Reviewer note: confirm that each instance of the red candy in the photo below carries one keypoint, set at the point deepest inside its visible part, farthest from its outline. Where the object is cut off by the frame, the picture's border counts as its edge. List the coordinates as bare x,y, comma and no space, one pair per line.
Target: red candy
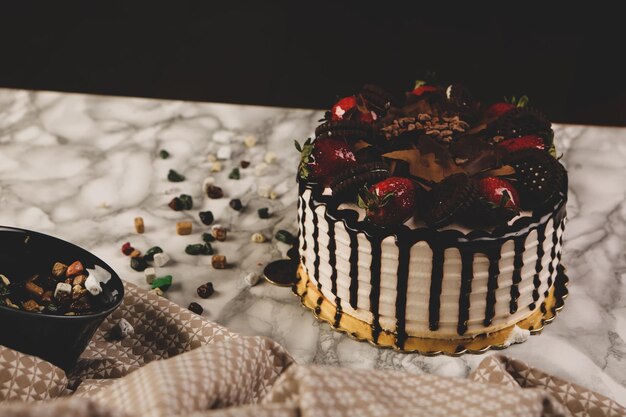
347,104
127,249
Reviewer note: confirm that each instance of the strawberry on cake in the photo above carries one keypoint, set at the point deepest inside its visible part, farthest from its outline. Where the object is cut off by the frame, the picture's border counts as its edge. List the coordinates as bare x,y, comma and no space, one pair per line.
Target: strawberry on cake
431,223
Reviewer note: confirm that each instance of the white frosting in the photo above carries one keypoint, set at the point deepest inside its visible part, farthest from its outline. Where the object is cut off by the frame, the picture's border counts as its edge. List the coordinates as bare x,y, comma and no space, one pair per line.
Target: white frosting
418,288
517,335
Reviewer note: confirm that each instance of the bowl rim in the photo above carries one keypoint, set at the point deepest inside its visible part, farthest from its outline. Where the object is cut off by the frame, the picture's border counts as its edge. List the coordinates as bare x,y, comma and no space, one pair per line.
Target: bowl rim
114,275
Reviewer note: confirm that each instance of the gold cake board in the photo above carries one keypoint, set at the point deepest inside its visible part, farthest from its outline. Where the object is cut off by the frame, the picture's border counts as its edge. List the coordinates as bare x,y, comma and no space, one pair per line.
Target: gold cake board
324,310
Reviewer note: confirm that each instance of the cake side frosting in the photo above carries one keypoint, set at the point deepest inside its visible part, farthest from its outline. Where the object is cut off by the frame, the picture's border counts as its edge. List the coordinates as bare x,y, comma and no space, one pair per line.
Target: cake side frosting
365,279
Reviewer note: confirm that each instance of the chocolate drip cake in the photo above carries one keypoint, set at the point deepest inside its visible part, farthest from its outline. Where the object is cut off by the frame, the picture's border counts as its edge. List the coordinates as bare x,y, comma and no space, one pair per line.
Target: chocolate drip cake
431,223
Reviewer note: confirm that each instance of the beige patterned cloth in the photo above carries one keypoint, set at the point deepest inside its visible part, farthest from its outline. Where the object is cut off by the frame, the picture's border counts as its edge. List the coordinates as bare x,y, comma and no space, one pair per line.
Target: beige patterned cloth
179,364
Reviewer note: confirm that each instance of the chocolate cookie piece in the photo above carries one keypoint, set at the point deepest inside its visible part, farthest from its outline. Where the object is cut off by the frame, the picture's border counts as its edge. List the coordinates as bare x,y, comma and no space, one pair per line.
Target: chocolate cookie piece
347,184
522,121
379,99
448,200
538,178
350,130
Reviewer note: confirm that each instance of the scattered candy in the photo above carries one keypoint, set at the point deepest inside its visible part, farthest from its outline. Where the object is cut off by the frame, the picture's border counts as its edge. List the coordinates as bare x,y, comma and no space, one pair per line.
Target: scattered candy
273,195
199,249
139,226
244,164
264,213
34,289
150,274
79,279
183,228
62,291
264,191
234,174
258,238
214,192
208,237
270,158
92,285
224,152
164,154
162,282
78,291
208,181
135,253
161,259
187,201
75,269
157,291
206,217
151,252
218,261
176,204
251,279
59,269
219,232
235,204
121,330
216,166
285,237
174,176
139,264
211,157
250,141
260,169
195,308
205,290
31,305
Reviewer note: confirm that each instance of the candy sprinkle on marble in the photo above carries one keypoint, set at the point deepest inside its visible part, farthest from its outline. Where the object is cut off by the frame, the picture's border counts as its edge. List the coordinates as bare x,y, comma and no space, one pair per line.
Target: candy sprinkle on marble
174,176
164,154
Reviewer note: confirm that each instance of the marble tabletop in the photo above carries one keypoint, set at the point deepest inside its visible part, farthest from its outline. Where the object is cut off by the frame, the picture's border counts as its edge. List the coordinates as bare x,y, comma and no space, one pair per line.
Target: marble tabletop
82,167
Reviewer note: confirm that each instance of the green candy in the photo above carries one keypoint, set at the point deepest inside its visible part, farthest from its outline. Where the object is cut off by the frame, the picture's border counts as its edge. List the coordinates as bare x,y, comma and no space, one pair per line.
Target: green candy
149,256
234,174
285,237
264,213
187,201
162,282
174,176
199,249
164,154
208,237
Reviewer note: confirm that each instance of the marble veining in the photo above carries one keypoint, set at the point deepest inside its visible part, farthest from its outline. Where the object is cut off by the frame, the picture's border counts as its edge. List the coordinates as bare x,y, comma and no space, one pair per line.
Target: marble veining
82,167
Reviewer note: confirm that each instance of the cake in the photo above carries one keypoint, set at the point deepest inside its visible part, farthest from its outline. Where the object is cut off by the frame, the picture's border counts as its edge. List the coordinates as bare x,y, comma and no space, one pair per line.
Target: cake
430,222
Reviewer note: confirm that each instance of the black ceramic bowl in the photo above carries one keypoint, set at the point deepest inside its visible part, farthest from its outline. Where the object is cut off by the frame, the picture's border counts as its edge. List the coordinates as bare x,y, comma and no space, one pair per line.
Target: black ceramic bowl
57,339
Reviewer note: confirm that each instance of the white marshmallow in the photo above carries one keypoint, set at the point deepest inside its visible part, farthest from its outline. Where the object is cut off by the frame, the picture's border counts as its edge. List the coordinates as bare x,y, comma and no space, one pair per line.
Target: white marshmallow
251,279
62,289
122,329
150,274
93,285
161,259
224,152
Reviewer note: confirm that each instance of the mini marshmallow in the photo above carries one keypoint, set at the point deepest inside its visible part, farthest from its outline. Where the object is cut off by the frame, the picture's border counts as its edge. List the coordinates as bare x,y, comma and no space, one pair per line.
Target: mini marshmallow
250,141
122,330
273,195
216,166
224,152
264,191
270,157
161,259
150,274
251,279
93,285
260,169
100,274
62,290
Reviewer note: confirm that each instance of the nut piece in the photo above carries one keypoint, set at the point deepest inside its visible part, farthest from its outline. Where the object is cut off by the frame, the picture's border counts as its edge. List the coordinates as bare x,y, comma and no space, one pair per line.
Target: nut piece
34,289
31,305
79,279
139,226
258,238
161,259
76,268
218,261
59,270
183,228
219,232
78,291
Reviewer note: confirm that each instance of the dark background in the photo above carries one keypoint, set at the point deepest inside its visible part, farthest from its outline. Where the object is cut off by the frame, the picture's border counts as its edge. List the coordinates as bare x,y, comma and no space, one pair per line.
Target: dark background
569,61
